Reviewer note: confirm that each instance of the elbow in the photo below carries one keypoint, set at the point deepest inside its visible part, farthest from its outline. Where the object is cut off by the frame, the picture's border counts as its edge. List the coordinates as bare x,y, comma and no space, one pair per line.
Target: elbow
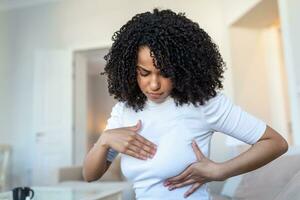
85,177
88,178
280,144
284,146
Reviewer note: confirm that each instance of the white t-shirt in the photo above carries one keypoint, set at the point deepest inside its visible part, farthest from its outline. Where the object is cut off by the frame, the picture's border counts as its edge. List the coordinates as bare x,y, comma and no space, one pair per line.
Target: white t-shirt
172,128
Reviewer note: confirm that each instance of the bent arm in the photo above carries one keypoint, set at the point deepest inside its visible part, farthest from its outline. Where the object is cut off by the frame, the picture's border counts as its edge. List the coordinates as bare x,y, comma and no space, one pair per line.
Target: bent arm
95,163
270,146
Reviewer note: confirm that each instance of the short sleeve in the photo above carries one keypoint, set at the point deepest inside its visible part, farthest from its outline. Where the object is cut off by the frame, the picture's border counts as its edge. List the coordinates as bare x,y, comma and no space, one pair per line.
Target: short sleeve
225,117
115,121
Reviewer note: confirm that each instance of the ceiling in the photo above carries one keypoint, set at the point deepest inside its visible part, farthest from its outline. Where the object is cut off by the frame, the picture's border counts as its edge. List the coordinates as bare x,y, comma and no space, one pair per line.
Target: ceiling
262,15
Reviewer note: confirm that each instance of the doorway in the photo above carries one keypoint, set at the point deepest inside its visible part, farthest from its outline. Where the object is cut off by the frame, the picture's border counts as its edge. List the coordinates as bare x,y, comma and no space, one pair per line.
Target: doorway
92,102
259,74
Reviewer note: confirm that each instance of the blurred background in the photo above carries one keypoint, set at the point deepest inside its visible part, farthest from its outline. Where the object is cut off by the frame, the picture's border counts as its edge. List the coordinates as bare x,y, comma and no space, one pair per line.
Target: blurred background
54,104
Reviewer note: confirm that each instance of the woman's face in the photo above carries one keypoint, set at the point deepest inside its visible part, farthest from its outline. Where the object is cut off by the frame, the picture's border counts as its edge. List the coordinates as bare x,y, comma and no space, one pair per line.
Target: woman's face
156,87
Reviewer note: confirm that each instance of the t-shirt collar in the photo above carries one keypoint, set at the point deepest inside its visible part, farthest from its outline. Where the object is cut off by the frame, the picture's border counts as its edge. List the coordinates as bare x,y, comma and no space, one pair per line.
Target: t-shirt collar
167,101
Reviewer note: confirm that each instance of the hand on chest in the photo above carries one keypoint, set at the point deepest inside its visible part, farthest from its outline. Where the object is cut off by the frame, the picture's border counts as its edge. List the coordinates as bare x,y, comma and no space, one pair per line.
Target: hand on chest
173,136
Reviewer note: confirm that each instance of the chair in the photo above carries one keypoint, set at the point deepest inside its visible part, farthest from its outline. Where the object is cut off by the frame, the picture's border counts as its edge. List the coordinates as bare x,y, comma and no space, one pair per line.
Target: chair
5,151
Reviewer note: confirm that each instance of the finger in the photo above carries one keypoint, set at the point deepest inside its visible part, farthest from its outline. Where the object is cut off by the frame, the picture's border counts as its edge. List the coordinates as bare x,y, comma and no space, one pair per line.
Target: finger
182,175
192,189
169,183
134,154
197,151
136,127
178,181
145,141
147,149
139,150
182,184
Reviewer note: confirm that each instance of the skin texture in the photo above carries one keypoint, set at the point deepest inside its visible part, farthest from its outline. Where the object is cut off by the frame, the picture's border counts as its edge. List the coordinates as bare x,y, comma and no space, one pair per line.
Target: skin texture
149,78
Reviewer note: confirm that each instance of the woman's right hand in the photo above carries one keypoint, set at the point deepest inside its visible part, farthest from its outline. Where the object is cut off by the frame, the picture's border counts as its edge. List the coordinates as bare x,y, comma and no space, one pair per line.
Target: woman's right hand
126,140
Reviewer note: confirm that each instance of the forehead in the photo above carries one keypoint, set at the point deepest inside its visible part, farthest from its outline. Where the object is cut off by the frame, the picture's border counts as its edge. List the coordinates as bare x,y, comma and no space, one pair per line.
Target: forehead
144,59
144,54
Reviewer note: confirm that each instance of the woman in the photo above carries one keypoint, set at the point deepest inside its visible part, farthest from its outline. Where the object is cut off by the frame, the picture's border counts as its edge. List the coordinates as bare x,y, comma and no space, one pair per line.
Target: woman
166,73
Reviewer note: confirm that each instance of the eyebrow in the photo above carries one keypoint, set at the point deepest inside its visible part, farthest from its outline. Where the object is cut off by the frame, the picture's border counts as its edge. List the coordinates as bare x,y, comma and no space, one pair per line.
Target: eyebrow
143,68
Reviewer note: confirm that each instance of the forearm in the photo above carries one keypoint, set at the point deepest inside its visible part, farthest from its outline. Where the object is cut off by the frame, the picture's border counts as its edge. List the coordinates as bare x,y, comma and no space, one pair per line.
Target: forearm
261,153
95,163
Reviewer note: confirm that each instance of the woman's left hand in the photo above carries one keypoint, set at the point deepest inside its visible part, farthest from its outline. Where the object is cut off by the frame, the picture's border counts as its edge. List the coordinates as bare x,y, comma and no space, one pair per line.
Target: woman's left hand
198,173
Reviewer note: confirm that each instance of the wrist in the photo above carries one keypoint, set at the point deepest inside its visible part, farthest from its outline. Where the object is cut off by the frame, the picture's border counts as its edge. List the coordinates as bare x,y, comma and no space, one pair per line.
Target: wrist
222,172
102,142
227,170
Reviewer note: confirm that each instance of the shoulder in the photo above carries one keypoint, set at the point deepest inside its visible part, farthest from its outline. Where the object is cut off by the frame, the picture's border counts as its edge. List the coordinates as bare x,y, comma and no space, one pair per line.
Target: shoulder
118,108
217,107
219,99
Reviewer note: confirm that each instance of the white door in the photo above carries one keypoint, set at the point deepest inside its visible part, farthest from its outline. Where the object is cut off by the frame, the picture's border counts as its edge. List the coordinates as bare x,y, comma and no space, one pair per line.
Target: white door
52,114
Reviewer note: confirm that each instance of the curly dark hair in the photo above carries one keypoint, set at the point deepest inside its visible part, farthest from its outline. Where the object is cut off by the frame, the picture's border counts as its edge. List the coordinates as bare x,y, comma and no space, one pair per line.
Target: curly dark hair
181,50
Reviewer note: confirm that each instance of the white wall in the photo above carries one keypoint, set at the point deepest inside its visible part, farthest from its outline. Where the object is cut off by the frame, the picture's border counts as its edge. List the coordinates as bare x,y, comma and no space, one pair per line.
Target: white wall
5,93
4,81
277,81
249,72
263,91
233,9
290,18
80,110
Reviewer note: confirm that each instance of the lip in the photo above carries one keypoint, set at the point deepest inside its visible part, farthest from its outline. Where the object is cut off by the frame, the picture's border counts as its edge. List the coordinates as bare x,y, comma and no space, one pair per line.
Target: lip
155,95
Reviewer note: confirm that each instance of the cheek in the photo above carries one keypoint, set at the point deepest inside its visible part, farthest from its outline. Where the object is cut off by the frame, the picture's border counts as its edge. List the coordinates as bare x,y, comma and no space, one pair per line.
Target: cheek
142,83
168,86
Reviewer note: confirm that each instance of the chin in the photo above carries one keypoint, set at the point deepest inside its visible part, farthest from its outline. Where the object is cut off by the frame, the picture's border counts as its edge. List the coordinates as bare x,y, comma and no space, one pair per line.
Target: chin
160,100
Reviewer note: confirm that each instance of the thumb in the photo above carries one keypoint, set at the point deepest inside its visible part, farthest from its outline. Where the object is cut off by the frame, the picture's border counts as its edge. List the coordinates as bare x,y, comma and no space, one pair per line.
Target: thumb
197,151
136,127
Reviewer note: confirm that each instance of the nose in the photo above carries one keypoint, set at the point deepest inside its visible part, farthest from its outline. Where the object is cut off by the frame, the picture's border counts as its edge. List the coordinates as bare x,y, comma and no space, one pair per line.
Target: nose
155,83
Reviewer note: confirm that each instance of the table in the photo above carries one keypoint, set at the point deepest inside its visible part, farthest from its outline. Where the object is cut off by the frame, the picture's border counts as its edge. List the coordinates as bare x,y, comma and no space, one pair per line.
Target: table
71,193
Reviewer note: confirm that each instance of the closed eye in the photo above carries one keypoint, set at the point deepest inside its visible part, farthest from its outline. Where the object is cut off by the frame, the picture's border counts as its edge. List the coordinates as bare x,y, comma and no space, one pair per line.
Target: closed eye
143,72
